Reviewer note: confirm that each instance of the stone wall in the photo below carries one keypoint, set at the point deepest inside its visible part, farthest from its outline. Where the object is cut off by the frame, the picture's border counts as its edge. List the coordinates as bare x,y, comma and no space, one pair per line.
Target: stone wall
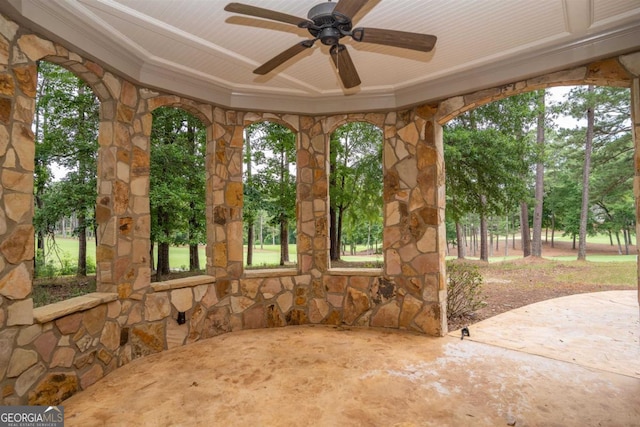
51,352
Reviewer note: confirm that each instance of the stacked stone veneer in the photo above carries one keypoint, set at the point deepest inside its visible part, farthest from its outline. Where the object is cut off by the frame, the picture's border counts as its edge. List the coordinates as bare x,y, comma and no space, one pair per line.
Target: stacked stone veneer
49,353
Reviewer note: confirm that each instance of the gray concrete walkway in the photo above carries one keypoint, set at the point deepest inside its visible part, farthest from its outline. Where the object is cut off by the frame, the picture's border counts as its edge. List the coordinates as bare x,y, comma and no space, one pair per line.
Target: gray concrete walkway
572,361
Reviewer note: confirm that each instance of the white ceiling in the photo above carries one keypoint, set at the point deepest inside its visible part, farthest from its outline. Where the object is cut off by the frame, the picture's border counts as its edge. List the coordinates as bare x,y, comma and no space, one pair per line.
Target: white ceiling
195,48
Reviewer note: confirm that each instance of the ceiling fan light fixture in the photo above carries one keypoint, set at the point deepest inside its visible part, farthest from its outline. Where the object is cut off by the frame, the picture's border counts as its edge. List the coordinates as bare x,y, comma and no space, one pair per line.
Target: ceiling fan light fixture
329,36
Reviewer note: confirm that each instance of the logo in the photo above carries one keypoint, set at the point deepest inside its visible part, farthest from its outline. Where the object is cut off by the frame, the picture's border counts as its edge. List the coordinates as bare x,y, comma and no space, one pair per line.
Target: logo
31,416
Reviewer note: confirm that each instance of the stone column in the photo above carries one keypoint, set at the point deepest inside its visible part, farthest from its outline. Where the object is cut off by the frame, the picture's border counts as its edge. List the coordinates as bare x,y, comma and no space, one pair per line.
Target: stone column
313,197
635,119
122,210
17,152
224,197
631,64
414,232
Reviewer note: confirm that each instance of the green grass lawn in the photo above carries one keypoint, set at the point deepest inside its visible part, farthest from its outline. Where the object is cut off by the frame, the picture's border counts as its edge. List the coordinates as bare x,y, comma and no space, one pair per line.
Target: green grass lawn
269,255
622,273
598,238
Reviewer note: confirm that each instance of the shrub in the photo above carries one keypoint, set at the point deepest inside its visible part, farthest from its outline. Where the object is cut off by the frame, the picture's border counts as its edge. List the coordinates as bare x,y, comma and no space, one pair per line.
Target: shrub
91,265
45,269
464,289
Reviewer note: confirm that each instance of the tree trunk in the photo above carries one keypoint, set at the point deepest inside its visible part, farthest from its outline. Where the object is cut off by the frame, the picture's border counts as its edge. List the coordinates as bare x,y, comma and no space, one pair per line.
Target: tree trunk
490,244
484,247
250,239
159,262
536,244
163,260
484,232
334,247
525,235
627,240
261,231
162,266
151,257
461,241
194,257
284,240
339,229
619,244
553,229
506,237
39,255
584,211
82,245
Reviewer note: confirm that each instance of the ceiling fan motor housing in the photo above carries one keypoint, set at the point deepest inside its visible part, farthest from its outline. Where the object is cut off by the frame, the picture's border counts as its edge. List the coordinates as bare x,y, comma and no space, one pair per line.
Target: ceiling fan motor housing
329,28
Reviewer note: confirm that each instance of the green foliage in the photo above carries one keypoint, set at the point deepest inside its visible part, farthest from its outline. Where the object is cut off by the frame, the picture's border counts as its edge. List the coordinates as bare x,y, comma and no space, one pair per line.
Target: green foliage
177,190
355,186
273,184
464,289
66,134
489,152
611,201
270,181
62,264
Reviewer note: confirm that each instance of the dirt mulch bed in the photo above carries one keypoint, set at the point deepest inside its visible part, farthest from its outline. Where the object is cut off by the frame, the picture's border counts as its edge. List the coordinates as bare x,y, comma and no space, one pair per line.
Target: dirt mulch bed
510,288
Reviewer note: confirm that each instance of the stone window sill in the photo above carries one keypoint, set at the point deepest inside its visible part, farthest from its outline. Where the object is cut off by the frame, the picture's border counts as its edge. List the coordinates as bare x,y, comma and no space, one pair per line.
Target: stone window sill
185,282
369,272
270,272
60,309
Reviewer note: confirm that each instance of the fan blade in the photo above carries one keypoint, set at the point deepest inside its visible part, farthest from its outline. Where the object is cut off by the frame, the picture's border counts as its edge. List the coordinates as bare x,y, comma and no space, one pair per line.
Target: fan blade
403,39
344,64
282,57
245,9
349,7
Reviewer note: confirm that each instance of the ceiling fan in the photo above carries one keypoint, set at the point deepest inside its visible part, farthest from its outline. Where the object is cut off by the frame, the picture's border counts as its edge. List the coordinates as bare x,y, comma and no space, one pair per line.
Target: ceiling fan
329,22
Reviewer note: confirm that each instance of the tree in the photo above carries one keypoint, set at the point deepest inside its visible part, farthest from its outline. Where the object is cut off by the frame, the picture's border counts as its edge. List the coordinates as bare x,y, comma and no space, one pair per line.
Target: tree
355,181
584,211
480,174
600,150
66,135
273,159
253,205
488,152
536,243
177,185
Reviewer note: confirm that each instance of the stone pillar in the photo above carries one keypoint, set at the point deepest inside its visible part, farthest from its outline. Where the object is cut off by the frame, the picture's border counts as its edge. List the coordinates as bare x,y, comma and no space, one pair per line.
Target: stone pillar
224,196
414,229
18,75
313,197
631,64
635,129
122,210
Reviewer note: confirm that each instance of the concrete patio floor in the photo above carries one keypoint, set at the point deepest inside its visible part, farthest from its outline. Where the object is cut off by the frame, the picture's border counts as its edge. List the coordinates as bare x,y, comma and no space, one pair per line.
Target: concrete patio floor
571,361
